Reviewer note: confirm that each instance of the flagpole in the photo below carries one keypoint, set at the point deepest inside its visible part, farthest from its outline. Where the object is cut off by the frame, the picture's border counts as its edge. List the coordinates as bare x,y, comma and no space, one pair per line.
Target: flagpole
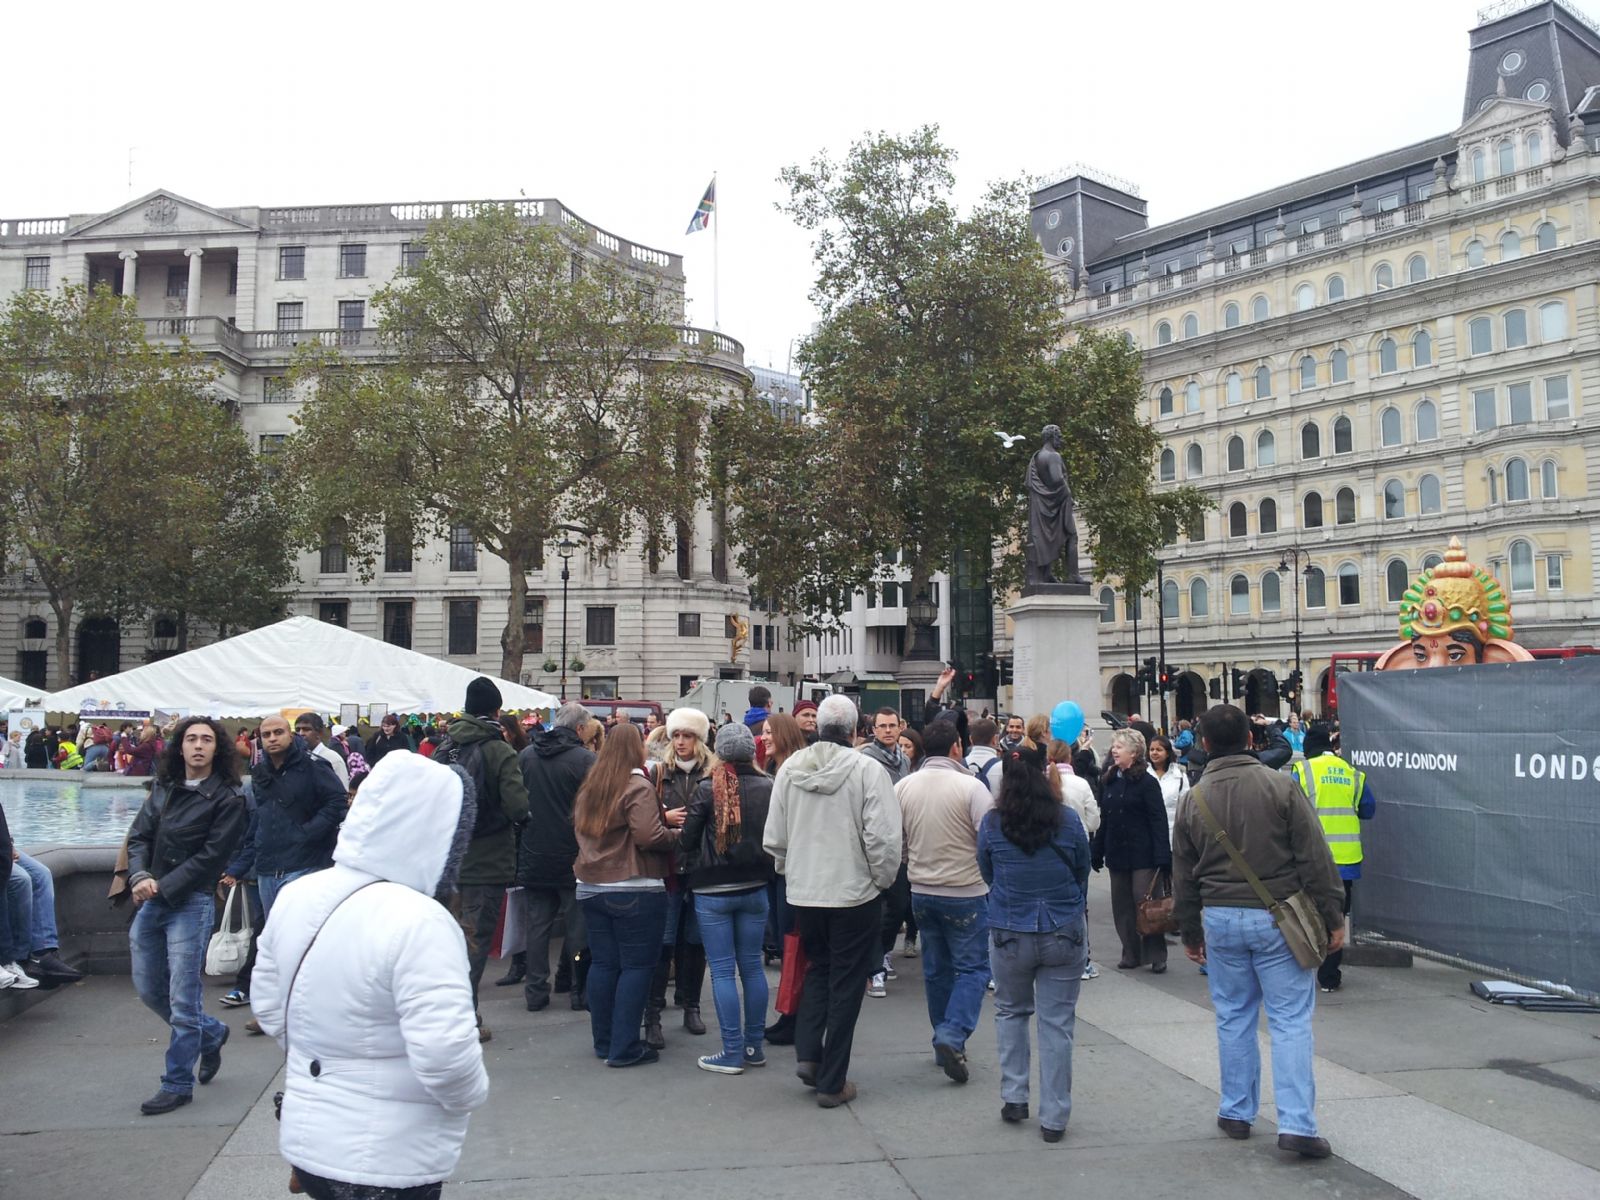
716,263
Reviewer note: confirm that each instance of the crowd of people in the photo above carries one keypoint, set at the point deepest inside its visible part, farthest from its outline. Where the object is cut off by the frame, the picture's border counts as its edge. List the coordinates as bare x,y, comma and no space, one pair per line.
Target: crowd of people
671,850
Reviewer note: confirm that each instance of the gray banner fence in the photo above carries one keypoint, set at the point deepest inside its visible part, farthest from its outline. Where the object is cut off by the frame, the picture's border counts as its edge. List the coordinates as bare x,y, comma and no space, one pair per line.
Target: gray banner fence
1486,842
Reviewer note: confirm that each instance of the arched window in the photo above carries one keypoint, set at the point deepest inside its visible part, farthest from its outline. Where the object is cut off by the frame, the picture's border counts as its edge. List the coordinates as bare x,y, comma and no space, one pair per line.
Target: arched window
1335,289
1388,357
1394,501
1311,516
1230,315
1344,507
1266,449
1516,479
1236,453
1239,596
1552,321
1233,386
1191,326
1427,421
1305,297
1165,402
1475,253
1310,440
1428,497
1237,520
1108,606
1416,268
1342,443
1480,165
35,629
1510,245
1545,236
1547,480
1194,461
1535,150
1169,465
1521,555
1389,427
1480,335
1431,561
1514,324
1339,366
1382,277
1271,593
1260,310
1316,588
1263,382
1163,333
1191,397
1169,600
1396,579
1349,585
1199,599
1508,157
1422,349
1267,515
1308,372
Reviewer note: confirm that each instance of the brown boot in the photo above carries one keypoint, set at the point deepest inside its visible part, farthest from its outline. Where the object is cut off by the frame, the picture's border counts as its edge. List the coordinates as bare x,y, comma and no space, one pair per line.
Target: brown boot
692,1021
653,1037
843,1096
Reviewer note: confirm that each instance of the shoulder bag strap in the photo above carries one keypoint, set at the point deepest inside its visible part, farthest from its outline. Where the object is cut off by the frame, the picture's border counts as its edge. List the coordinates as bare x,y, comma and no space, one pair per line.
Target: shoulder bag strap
288,994
1220,836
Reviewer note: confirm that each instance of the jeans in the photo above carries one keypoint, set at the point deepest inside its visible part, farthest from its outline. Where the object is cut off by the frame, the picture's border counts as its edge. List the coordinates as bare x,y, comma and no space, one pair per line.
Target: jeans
476,908
268,887
169,949
16,904
954,932
540,907
842,947
42,926
95,754
624,947
732,926
1328,974
1038,972
1249,964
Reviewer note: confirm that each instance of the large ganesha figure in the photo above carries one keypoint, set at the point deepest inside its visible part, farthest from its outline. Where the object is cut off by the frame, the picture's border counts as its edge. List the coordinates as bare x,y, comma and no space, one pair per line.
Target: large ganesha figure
1454,614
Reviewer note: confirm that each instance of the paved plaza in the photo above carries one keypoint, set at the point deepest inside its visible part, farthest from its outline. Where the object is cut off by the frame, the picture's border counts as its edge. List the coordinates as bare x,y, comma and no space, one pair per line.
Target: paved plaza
1423,1090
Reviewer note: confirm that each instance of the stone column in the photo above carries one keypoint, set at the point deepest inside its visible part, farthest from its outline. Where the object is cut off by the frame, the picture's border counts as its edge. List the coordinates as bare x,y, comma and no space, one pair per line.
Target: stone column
130,274
195,257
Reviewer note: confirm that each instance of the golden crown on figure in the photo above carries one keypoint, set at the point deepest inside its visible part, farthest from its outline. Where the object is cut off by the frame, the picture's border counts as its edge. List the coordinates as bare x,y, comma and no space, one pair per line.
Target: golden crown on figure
1454,614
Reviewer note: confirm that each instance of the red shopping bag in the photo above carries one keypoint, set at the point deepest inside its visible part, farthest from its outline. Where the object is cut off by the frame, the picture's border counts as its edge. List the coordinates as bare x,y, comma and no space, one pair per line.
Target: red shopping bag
791,982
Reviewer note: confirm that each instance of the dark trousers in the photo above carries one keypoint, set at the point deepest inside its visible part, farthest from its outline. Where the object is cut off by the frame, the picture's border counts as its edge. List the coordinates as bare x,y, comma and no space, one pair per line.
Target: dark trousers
1328,974
252,896
476,908
1127,889
540,908
319,1188
843,946
896,910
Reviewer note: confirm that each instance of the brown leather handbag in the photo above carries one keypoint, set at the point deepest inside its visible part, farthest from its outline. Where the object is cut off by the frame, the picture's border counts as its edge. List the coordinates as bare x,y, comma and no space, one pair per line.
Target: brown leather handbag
1156,916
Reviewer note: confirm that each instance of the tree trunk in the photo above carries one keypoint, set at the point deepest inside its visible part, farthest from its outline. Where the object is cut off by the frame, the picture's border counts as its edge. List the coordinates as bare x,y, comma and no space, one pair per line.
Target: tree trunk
61,672
511,639
183,630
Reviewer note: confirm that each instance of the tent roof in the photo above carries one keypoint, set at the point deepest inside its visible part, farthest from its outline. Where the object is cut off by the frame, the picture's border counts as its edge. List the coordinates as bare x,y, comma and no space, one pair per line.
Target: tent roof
298,663
14,694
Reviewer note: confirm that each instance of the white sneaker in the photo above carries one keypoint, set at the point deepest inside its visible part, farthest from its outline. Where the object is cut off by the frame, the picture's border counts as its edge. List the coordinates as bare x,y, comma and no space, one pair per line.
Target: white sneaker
20,978
875,986
1091,972
6,977
888,968
989,986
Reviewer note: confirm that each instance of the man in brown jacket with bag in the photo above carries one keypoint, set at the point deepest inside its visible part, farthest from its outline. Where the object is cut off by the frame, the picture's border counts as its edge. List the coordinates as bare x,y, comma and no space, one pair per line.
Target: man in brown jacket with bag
1234,896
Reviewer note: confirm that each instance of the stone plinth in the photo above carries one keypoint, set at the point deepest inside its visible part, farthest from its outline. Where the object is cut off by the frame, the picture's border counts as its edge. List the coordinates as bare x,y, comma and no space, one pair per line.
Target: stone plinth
1055,653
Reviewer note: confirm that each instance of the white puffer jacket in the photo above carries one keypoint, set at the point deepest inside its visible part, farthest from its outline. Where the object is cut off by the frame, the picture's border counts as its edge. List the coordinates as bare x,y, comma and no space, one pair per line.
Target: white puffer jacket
383,1057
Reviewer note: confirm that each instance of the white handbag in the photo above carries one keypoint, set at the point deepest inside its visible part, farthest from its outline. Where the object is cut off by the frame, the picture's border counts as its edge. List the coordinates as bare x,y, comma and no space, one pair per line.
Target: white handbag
229,947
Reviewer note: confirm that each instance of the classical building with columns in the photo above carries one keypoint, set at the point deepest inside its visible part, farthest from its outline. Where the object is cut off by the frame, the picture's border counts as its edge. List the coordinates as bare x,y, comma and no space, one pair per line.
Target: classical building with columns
1358,365
248,287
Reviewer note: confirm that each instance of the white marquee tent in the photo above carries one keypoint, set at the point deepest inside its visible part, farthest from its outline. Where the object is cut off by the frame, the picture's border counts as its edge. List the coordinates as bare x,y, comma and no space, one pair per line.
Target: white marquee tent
297,663
14,694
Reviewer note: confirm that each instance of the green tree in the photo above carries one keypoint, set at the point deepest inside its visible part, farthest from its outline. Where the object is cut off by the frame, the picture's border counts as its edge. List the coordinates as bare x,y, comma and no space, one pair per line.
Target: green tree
523,385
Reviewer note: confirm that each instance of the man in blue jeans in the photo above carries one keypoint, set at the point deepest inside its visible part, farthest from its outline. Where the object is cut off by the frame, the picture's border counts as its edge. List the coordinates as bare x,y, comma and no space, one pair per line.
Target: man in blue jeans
942,804
1227,928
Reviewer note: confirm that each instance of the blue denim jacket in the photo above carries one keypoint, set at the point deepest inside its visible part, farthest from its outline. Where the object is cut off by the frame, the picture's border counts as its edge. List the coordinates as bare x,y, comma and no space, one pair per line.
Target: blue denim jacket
1034,893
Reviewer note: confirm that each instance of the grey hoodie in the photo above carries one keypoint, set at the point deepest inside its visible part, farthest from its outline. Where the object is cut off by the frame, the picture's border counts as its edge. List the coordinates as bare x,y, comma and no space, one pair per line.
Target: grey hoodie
833,827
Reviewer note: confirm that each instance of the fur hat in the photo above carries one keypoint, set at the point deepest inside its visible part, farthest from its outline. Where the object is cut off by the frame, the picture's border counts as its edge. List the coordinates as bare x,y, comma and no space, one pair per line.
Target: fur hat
691,719
735,743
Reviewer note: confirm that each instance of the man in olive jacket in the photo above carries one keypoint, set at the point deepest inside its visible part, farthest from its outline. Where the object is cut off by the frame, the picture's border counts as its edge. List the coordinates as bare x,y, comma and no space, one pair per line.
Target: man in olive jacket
1227,928
477,744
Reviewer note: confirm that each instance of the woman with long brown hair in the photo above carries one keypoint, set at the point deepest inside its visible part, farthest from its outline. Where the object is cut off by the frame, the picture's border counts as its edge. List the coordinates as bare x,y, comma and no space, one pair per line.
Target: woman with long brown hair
624,854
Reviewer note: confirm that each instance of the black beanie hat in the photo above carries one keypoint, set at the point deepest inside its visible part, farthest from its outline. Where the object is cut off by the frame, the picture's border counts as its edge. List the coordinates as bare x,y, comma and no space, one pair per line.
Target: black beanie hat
483,698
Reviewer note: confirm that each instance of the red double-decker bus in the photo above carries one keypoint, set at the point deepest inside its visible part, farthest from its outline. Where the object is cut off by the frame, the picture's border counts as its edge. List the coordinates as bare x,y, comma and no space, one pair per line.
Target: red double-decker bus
1364,660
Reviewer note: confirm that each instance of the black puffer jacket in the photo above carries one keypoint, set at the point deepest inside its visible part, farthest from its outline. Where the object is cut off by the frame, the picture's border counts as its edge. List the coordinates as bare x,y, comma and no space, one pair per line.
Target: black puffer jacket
299,808
744,861
1133,824
553,768
183,836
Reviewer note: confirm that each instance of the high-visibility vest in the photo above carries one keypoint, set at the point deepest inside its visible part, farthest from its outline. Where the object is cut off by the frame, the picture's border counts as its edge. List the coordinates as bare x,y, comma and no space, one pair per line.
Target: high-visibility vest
1334,788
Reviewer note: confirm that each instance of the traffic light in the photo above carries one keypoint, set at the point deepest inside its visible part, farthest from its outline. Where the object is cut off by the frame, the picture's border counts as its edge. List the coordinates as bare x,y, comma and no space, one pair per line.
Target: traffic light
1238,683
1169,678
1292,689
1216,689
1147,676
1286,690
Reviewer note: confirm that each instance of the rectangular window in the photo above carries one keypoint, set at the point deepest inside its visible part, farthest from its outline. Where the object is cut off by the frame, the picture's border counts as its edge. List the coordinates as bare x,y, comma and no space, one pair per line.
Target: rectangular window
1557,398
1520,396
352,260
291,315
411,256
756,645
1552,573
533,626
272,443
1311,225
177,283
601,688
352,314
334,612
1349,213
688,624
1240,246
397,623
335,558
38,273
463,549
233,278
685,682
276,389
730,627
397,550
1389,203
1483,415
600,626
291,262
463,627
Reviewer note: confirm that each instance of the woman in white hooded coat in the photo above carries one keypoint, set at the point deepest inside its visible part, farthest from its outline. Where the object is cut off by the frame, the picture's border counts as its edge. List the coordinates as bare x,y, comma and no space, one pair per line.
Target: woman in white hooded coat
384,1063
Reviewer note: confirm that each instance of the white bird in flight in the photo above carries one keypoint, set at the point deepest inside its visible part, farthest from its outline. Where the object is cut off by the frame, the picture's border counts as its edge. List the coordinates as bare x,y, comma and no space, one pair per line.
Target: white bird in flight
1010,439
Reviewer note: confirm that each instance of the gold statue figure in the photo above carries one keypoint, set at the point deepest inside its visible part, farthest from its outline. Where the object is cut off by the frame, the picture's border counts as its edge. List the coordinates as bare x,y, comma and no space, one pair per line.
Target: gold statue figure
741,635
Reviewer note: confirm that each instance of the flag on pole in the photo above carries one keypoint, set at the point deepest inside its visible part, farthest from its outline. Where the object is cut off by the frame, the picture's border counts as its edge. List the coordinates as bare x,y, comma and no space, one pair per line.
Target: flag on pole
708,205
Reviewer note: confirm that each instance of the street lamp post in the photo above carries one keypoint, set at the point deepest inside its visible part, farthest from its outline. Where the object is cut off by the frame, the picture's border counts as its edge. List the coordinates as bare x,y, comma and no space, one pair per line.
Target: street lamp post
567,547
1161,641
923,612
1295,553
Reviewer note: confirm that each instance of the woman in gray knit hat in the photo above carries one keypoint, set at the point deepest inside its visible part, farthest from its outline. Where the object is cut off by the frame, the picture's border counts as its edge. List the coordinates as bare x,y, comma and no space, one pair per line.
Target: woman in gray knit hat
728,872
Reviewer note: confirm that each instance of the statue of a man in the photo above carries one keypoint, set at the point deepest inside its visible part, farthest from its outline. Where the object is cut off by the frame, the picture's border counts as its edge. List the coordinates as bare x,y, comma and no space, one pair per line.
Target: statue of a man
1051,527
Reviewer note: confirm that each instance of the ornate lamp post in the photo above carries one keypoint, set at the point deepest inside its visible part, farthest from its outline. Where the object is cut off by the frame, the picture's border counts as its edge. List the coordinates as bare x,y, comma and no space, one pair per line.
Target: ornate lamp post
566,548
1295,553
923,612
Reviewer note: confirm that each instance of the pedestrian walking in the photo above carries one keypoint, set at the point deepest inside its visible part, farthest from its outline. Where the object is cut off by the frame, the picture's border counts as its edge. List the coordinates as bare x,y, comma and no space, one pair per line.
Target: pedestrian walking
1342,798
1132,844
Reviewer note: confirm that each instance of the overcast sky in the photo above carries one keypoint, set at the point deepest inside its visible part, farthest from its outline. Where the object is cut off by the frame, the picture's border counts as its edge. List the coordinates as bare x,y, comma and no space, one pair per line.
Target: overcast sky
623,111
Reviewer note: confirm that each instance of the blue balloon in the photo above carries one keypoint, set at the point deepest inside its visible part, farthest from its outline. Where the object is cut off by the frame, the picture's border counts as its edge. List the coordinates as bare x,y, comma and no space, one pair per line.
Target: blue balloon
1066,721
